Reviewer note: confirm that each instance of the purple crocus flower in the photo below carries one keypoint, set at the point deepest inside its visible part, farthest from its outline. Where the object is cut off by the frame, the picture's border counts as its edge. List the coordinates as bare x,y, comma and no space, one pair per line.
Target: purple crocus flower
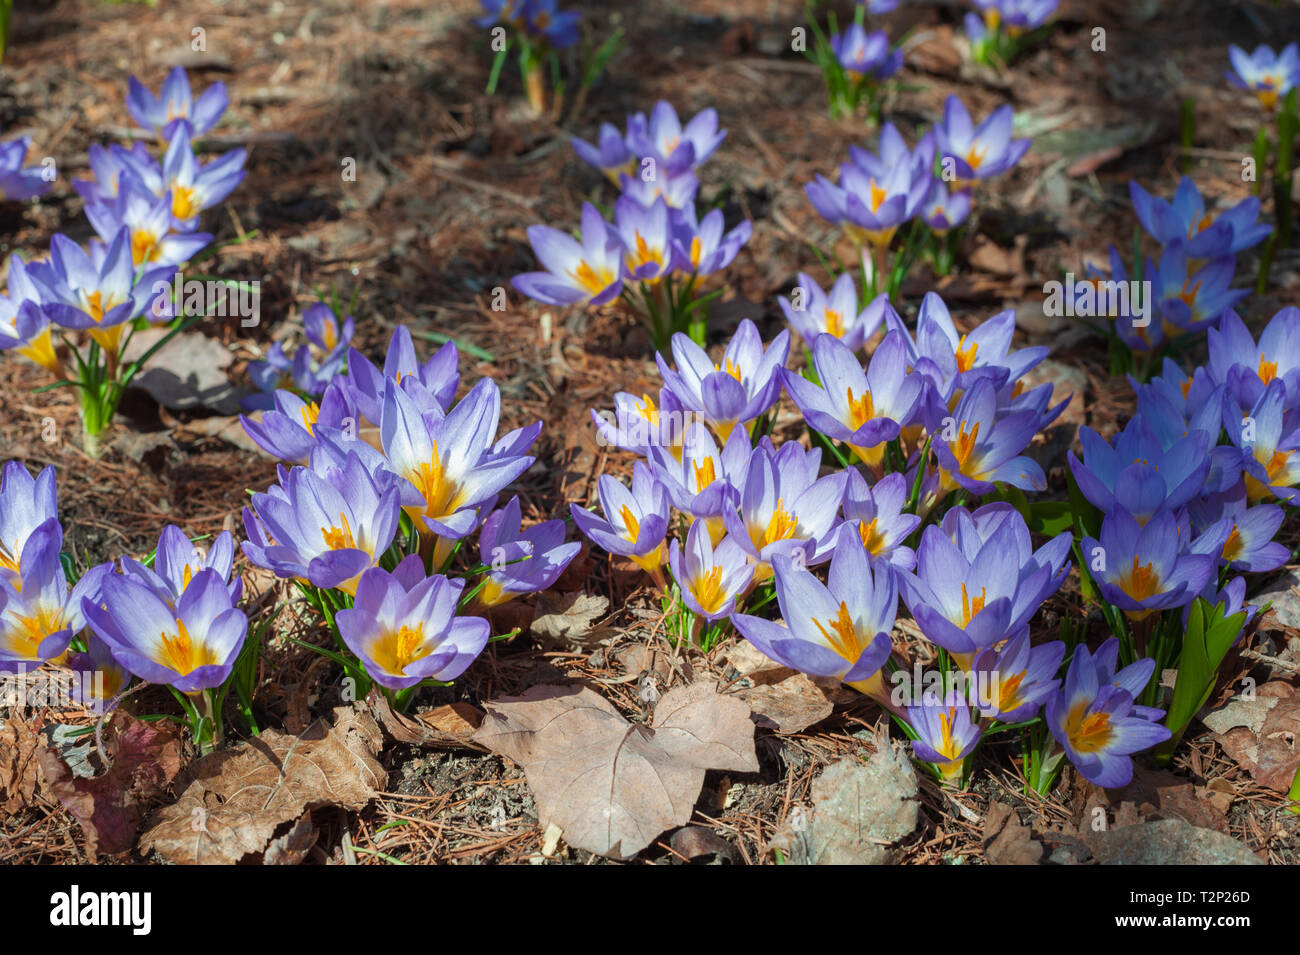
704,247
193,187
673,147
404,629
944,210
24,326
892,151
678,189
430,385
1269,436
102,677
611,153
864,54
557,27
289,430
704,481
635,521
945,733
1138,474
522,562
191,646
106,168
711,578
840,629
323,526
148,219
835,313
39,615
870,210
876,515
176,105
954,361
1206,236
1268,75
972,530
26,503
1249,545
451,467
1247,368
589,272
971,153
865,410
1132,317
744,385
98,299
1145,568
177,561
19,183
646,235
785,508
1013,683
1016,15
1189,300
637,424
971,591
1094,718
977,445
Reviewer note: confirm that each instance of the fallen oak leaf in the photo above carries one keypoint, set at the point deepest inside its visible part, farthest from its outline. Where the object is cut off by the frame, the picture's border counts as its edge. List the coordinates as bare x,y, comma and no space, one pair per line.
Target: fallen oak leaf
610,785
235,799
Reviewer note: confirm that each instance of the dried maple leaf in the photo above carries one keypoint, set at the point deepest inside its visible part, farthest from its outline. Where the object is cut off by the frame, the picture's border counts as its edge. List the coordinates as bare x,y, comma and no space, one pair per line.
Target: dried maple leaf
144,759
446,727
236,798
610,785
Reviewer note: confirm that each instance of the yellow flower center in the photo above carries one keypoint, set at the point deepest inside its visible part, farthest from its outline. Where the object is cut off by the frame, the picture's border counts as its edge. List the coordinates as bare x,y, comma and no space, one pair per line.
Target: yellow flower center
1009,692
781,527
1088,732
1267,369
872,539
969,607
395,651
591,281
181,653
861,410
842,637
705,474
340,536
707,590
964,446
144,246
1233,545
185,204
309,412
966,354
834,324
441,493
630,522
1140,581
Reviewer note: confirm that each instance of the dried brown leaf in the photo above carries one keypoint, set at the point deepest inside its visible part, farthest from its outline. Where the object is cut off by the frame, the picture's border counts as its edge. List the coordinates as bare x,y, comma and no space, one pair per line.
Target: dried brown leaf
292,847
19,775
445,727
570,617
610,785
236,798
1007,841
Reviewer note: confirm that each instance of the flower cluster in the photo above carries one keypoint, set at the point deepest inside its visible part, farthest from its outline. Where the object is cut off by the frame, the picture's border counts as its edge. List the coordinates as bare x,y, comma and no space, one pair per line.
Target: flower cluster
385,477
311,367
931,185
854,61
657,246
74,312
998,30
172,619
